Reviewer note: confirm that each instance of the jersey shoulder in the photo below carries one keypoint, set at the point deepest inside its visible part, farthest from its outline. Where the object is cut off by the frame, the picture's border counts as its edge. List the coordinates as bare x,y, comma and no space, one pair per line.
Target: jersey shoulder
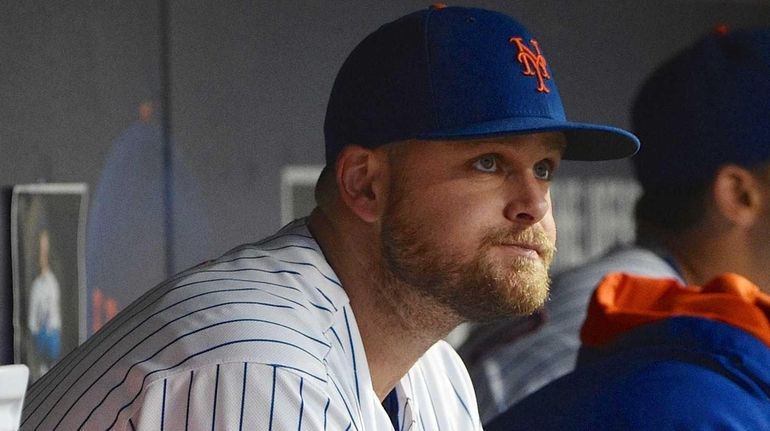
267,302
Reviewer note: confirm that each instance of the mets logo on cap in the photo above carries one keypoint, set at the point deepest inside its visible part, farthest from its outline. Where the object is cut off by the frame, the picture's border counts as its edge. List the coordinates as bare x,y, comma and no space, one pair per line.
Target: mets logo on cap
533,62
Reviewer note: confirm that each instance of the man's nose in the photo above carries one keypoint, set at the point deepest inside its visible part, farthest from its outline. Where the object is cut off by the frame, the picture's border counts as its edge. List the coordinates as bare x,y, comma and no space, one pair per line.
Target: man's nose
528,201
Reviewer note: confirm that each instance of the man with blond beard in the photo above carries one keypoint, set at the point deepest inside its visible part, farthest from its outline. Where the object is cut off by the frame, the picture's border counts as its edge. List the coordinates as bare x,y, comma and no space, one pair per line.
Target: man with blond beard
443,131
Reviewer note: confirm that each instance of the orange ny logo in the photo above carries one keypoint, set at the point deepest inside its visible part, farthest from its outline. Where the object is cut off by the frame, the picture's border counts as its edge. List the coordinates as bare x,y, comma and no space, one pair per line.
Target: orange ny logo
534,63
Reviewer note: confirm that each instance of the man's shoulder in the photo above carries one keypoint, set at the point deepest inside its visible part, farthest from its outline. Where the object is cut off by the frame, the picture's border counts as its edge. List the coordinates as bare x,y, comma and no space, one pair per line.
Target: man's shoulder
279,292
286,269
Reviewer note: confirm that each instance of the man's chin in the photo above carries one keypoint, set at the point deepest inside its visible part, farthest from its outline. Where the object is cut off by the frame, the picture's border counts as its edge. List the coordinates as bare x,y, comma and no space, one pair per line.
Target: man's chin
527,302
519,293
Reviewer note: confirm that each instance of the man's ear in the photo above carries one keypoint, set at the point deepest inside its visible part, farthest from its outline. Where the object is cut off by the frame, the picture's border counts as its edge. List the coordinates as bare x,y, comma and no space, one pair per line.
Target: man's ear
738,195
360,174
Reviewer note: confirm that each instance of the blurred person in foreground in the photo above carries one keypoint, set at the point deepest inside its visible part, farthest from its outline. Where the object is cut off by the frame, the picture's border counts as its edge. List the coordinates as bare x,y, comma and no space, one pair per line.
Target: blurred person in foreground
443,131
657,354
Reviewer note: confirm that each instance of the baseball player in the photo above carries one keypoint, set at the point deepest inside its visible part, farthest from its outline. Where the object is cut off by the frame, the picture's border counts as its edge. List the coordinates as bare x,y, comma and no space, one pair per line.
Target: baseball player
654,354
443,131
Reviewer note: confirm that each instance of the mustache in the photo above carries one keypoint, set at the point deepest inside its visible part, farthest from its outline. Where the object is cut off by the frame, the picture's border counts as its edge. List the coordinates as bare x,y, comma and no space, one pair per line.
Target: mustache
531,237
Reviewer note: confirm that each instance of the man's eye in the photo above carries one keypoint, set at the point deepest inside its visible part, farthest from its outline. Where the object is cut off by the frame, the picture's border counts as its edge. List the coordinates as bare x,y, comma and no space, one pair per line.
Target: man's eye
543,170
486,164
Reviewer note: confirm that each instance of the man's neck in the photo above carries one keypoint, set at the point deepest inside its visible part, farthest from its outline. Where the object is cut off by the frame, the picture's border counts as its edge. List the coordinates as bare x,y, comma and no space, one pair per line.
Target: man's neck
401,325
397,325
704,254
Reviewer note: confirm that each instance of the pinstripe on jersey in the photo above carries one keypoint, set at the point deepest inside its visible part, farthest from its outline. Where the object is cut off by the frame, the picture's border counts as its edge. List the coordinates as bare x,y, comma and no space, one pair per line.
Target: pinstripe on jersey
260,339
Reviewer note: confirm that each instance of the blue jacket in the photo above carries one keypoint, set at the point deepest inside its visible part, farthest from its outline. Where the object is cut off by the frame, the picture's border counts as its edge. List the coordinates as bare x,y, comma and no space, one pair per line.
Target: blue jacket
675,373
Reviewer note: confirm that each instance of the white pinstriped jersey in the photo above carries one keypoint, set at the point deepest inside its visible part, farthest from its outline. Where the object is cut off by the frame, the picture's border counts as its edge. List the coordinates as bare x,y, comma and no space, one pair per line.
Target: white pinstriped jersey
261,339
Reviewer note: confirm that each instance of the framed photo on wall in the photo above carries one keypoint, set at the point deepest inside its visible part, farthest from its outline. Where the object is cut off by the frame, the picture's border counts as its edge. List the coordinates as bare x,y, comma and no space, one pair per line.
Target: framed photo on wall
47,254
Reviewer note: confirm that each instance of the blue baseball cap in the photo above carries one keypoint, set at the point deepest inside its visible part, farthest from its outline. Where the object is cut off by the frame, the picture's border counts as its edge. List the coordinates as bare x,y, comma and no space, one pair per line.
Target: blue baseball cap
707,106
452,73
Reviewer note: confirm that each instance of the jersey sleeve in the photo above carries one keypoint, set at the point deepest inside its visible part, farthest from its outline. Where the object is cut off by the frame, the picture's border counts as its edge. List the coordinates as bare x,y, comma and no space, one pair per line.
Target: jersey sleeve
239,396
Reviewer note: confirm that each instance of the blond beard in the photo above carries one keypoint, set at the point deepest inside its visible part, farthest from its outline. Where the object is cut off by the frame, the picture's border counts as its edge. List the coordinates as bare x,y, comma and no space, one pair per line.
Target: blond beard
478,289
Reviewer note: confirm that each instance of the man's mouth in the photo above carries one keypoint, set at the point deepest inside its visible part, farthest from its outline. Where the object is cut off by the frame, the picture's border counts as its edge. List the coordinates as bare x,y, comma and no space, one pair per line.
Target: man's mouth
532,251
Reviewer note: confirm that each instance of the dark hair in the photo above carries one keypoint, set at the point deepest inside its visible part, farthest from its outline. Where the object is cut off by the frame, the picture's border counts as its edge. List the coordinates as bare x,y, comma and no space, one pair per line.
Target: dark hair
664,211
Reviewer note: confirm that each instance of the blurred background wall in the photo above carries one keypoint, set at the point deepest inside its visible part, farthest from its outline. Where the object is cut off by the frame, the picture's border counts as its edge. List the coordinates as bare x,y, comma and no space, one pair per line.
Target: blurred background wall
83,85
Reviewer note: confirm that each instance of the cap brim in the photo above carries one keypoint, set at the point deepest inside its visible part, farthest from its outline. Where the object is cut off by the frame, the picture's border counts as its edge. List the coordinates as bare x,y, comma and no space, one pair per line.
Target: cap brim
584,141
